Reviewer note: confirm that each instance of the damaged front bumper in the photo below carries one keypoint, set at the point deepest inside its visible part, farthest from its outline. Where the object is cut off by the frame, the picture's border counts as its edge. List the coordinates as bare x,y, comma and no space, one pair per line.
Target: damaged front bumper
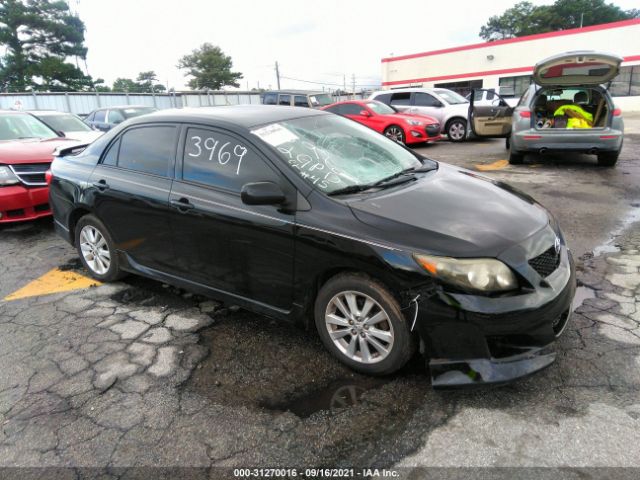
475,340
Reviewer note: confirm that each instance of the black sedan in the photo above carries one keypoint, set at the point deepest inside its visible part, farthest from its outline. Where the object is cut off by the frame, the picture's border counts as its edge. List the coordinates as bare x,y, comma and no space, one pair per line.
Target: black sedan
306,216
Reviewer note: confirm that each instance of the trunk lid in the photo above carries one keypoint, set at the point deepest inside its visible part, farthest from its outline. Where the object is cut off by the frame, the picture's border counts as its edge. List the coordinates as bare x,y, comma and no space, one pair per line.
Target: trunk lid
583,67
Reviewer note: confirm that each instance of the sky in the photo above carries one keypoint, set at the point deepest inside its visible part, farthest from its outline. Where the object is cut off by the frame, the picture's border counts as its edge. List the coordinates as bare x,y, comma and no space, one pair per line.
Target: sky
326,42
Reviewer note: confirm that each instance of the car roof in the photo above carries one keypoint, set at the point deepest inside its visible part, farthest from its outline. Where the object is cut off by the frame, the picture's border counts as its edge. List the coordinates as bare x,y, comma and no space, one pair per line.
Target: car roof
246,116
48,112
121,107
297,92
408,89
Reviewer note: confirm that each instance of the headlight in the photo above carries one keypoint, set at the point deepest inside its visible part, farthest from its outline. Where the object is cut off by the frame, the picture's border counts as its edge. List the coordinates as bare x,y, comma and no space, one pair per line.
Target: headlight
483,274
413,122
7,177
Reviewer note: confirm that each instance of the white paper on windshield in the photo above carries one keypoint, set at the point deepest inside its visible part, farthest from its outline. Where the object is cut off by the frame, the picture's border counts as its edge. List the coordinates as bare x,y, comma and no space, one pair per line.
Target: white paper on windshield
275,134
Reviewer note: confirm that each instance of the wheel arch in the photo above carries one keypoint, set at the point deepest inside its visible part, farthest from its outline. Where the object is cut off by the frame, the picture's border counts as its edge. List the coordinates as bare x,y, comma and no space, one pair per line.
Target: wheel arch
74,217
324,276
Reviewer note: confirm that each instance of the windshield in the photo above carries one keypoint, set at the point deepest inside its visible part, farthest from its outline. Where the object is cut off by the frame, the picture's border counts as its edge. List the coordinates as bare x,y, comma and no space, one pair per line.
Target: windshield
137,111
15,126
451,97
380,108
332,152
65,123
320,100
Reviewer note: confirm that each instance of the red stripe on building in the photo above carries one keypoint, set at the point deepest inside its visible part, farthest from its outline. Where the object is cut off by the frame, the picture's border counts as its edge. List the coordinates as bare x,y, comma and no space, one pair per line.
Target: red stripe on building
538,36
632,58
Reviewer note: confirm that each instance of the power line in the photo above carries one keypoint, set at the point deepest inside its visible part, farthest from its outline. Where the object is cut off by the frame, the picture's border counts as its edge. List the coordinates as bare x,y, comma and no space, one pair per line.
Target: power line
328,83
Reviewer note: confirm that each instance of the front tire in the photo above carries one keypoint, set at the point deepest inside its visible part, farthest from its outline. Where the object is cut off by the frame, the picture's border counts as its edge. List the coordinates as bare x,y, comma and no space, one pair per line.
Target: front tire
395,133
96,249
608,159
457,130
360,323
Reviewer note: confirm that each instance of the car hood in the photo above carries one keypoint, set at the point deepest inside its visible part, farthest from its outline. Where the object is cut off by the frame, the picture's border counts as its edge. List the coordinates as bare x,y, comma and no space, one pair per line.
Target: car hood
453,212
421,118
30,150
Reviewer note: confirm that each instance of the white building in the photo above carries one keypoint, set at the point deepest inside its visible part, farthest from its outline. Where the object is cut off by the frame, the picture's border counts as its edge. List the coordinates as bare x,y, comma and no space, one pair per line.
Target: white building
509,63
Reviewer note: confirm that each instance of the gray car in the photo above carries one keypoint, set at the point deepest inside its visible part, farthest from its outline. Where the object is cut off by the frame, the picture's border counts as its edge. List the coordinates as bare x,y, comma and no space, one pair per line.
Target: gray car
567,108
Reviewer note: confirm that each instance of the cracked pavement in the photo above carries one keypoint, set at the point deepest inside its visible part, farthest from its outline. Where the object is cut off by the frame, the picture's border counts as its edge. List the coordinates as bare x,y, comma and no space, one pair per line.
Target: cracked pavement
137,373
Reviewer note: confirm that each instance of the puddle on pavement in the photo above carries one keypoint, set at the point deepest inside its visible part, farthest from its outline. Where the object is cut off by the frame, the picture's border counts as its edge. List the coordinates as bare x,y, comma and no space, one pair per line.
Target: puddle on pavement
610,246
582,293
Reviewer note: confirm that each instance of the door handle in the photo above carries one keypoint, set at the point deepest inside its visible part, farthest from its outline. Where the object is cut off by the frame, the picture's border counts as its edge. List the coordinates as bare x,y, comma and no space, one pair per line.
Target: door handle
182,204
101,185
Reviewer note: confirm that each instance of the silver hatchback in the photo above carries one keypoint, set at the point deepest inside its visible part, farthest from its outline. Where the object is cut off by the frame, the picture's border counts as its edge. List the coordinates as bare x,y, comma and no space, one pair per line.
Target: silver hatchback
567,108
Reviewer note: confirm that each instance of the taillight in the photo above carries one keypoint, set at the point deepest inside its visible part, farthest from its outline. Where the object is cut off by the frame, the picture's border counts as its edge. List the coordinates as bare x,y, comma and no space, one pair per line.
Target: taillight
525,114
617,112
48,176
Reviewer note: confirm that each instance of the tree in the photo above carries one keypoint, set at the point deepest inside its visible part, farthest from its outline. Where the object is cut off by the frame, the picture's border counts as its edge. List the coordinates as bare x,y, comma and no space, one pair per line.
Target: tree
125,85
209,67
525,18
148,82
39,36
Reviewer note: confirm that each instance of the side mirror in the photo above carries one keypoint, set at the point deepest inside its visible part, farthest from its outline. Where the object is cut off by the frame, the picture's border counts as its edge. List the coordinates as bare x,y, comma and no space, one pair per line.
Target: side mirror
60,133
262,193
365,113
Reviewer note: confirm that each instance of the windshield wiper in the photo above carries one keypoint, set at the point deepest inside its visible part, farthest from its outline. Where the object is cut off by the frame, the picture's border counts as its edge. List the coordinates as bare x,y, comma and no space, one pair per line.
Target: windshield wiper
385,182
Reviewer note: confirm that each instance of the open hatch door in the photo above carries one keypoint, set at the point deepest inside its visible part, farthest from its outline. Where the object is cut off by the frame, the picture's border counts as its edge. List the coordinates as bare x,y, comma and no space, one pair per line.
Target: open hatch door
582,68
490,120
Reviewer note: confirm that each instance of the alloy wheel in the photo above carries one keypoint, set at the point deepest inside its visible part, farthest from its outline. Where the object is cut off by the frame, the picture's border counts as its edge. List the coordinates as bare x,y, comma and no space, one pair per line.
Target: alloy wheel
359,327
395,134
95,250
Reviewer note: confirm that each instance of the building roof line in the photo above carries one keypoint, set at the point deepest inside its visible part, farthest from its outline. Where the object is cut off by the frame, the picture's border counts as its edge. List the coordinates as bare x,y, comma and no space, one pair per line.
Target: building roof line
631,58
537,36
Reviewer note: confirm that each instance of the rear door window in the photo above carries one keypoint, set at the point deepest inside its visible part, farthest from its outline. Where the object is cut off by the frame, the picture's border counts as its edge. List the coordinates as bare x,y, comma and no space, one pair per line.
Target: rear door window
115,116
384,98
401,99
148,149
221,160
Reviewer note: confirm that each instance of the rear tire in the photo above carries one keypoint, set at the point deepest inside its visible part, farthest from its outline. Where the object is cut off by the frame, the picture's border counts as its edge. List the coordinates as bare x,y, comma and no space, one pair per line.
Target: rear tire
608,159
457,130
96,249
360,323
516,158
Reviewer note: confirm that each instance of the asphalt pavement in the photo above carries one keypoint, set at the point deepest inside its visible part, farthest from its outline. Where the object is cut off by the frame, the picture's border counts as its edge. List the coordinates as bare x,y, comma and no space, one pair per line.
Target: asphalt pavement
97,379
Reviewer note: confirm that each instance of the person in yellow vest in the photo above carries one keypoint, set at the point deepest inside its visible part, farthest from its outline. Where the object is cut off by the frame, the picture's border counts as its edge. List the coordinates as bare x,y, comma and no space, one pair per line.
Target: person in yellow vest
578,117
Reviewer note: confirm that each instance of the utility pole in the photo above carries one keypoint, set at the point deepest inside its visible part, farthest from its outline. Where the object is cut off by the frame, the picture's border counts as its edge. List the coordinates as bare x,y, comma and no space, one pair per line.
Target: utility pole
278,75
581,19
353,86
344,84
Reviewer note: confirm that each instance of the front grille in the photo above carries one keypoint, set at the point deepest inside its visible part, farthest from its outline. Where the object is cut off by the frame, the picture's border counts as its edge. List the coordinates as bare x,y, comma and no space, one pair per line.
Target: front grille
31,174
433,129
546,263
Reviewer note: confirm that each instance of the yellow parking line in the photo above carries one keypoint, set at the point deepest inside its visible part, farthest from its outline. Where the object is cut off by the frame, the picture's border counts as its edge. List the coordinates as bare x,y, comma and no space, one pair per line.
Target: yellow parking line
54,281
497,165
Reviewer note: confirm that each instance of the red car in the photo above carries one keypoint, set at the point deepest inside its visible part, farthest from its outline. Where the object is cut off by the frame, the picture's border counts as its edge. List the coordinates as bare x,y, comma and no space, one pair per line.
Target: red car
26,151
382,118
